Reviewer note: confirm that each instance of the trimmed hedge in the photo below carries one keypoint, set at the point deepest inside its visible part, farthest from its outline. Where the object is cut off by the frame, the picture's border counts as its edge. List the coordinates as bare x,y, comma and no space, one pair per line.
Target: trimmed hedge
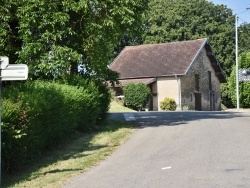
104,97
38,115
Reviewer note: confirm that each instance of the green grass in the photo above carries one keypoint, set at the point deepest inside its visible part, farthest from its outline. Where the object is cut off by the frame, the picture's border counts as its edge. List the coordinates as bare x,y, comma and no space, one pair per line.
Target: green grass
116,107
82,151
79,154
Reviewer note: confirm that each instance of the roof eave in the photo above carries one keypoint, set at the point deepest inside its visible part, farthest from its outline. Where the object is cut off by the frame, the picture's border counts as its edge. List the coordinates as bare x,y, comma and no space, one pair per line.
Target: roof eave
171,75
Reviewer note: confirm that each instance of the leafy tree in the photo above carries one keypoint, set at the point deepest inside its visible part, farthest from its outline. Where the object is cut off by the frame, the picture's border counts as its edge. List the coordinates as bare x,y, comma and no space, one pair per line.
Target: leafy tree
136,96
244,87
10,43
57,36
244,37
180,20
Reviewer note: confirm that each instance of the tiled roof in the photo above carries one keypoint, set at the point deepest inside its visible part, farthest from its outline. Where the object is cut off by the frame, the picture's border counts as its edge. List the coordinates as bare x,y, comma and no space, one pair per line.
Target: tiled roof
152,60
139,80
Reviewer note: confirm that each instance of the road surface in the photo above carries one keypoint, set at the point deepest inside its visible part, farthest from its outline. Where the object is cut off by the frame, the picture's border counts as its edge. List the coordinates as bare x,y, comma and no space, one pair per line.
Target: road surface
178,149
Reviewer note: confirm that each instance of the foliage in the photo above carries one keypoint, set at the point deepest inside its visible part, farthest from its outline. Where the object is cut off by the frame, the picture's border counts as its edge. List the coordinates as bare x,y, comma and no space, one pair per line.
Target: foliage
104,97
136,96
171,20
168,104
244,37
39,115
226,95
54,37
10,43
71,158
244,87
14,126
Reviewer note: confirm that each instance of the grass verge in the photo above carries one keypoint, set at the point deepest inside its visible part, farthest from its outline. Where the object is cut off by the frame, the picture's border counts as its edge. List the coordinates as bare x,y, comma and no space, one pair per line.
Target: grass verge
81,153
116,107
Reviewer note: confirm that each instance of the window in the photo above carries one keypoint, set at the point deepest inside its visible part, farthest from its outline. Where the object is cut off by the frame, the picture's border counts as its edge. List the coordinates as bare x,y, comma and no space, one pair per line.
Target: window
210,80
197,82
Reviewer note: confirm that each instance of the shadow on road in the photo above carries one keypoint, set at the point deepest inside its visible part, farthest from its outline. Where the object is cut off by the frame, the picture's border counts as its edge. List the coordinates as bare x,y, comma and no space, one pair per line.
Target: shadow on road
180,118
145,119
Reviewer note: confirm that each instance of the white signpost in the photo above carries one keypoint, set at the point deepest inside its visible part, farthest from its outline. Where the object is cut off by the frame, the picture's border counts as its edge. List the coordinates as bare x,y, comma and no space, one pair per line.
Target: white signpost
9,72
4,62
15,72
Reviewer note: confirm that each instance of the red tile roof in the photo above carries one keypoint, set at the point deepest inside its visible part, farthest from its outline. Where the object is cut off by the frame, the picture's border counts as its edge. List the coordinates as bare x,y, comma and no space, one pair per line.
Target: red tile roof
153,60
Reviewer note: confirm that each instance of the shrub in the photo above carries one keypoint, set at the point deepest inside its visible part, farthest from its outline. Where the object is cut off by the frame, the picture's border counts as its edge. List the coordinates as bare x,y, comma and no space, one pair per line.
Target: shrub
136,96
104,100
168,104
14,125
104,93
38,115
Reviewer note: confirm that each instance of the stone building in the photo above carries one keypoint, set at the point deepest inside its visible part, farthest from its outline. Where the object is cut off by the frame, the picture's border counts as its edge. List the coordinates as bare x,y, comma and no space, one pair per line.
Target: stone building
185,71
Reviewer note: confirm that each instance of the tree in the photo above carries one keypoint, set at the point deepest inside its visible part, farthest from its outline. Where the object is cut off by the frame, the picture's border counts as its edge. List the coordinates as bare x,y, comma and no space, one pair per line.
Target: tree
180,20
10,43
244,87
57,36
136,96
244,37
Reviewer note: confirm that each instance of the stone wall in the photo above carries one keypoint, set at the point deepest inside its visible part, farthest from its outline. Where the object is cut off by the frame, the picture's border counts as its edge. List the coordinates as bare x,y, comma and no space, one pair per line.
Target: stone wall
170,87
208,97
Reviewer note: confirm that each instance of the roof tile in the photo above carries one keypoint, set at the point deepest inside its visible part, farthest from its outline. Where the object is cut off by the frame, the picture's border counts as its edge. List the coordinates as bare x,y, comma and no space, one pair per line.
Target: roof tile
152,60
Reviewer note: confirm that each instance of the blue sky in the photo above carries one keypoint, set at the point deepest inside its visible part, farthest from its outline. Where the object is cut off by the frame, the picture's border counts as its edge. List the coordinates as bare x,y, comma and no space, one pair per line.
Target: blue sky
238,7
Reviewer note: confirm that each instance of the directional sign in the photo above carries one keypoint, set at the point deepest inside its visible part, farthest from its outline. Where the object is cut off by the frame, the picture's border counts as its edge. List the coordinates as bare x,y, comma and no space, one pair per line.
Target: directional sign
15,72
244,75
4,62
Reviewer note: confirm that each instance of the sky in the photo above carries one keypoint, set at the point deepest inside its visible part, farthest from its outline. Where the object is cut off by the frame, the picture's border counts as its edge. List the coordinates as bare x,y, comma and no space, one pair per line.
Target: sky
239,7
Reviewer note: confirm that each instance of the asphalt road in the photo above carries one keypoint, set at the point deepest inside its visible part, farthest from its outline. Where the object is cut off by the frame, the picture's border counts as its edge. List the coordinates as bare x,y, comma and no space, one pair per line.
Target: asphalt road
178,149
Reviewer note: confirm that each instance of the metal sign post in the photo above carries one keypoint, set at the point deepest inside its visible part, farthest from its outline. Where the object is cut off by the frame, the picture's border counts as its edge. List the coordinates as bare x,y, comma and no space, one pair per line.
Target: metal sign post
236,59
9,73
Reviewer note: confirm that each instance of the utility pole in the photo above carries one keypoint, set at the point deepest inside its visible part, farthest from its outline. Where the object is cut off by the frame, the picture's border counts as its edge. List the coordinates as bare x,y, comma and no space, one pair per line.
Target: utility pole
237,67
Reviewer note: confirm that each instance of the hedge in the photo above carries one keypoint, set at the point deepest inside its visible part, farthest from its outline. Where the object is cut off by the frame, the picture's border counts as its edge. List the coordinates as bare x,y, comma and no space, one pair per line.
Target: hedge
38,115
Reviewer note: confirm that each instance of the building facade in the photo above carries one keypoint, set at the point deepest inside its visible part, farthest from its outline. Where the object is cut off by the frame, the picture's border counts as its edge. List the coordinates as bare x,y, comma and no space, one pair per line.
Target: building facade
186,71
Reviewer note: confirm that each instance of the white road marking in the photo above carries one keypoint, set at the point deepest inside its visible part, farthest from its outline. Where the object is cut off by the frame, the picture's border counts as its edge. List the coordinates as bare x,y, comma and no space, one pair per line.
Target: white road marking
129,117
166,168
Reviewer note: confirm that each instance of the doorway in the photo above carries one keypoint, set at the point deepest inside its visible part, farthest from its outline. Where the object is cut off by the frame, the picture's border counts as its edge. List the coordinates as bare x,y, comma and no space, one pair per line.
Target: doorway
198,105
212,102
